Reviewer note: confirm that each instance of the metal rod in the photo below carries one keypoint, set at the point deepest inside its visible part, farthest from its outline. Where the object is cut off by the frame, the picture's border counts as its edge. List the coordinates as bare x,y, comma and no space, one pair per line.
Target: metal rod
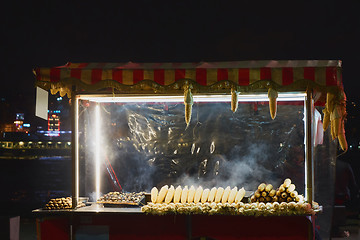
309,167
74,149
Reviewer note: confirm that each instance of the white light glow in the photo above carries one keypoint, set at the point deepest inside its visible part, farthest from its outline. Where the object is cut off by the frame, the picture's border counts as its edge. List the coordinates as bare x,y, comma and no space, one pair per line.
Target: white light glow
261,97
76,149
97,151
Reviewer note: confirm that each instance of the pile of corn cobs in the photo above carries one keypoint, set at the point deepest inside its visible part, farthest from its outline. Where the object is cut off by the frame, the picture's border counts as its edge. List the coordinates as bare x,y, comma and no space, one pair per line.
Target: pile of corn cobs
266,201
61,203
121,198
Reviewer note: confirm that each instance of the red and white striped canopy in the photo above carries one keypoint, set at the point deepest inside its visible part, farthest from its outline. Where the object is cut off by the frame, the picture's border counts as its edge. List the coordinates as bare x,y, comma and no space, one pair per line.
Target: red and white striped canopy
325,73
295,75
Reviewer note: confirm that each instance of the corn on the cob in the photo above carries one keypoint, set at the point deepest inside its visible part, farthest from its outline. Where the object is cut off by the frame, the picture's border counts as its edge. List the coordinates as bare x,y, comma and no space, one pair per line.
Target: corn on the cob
272,193
272,95
268,188
219,193
212,194
287,183
332,128
290,188
226,194
330,102
240,195
154,194
342,138
234,100
170,194
205,195
326,120
335,119
162,194
177,194
232,195
188,101
262,187
293,194
191,194
198,194
184,194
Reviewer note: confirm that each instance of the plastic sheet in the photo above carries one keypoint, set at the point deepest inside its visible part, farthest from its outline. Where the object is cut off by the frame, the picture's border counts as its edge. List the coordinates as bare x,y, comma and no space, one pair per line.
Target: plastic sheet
149,144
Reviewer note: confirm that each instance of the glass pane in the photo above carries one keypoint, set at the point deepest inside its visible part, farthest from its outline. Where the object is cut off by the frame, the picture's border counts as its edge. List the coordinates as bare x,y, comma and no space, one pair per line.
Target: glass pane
142,145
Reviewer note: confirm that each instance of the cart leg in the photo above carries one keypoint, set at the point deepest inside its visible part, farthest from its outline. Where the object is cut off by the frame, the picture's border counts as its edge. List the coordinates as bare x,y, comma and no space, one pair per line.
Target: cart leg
189,227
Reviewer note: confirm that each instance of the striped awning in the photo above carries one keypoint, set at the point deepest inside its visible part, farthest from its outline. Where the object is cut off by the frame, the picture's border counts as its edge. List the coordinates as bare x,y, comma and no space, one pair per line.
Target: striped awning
245,76
322,77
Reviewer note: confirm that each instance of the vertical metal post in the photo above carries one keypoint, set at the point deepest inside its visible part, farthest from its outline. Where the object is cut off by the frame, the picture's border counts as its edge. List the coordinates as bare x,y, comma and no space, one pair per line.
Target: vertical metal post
309,160
74,148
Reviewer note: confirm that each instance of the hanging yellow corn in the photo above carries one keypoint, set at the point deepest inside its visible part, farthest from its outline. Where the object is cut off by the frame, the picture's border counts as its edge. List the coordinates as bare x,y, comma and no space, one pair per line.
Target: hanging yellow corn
188,101
332,124
330,102
272,95
326,120
342,138
234,100
335,119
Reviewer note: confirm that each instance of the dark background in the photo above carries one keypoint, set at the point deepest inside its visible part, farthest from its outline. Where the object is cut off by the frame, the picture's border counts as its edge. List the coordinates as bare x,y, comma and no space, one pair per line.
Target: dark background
51,33
44,33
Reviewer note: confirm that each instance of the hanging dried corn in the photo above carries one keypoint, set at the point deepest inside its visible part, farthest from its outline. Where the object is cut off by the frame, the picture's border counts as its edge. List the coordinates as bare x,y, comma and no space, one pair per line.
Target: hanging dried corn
335,119
188,101
234,100
272,95
342,138
326,120
335,111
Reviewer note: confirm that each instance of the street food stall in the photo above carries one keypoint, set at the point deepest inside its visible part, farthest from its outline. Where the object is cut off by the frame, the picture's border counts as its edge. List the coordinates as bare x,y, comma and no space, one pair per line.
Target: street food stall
219,150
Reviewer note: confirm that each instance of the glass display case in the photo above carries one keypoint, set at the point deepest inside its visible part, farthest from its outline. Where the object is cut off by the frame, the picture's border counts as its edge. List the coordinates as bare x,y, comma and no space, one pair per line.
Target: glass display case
132,143
140,126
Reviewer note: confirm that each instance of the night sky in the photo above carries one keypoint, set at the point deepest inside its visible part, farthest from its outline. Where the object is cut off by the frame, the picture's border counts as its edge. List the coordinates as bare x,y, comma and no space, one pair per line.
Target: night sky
51,33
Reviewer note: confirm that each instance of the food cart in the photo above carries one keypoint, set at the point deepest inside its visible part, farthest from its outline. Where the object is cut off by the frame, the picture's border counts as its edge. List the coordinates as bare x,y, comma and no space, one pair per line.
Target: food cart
140,130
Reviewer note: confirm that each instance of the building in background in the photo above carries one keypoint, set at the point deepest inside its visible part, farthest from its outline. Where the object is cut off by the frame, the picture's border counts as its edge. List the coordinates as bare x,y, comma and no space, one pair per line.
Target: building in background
54,123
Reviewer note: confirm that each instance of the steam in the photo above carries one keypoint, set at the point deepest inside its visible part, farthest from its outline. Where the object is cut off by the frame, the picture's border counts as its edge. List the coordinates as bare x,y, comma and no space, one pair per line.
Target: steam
245,169
147,145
